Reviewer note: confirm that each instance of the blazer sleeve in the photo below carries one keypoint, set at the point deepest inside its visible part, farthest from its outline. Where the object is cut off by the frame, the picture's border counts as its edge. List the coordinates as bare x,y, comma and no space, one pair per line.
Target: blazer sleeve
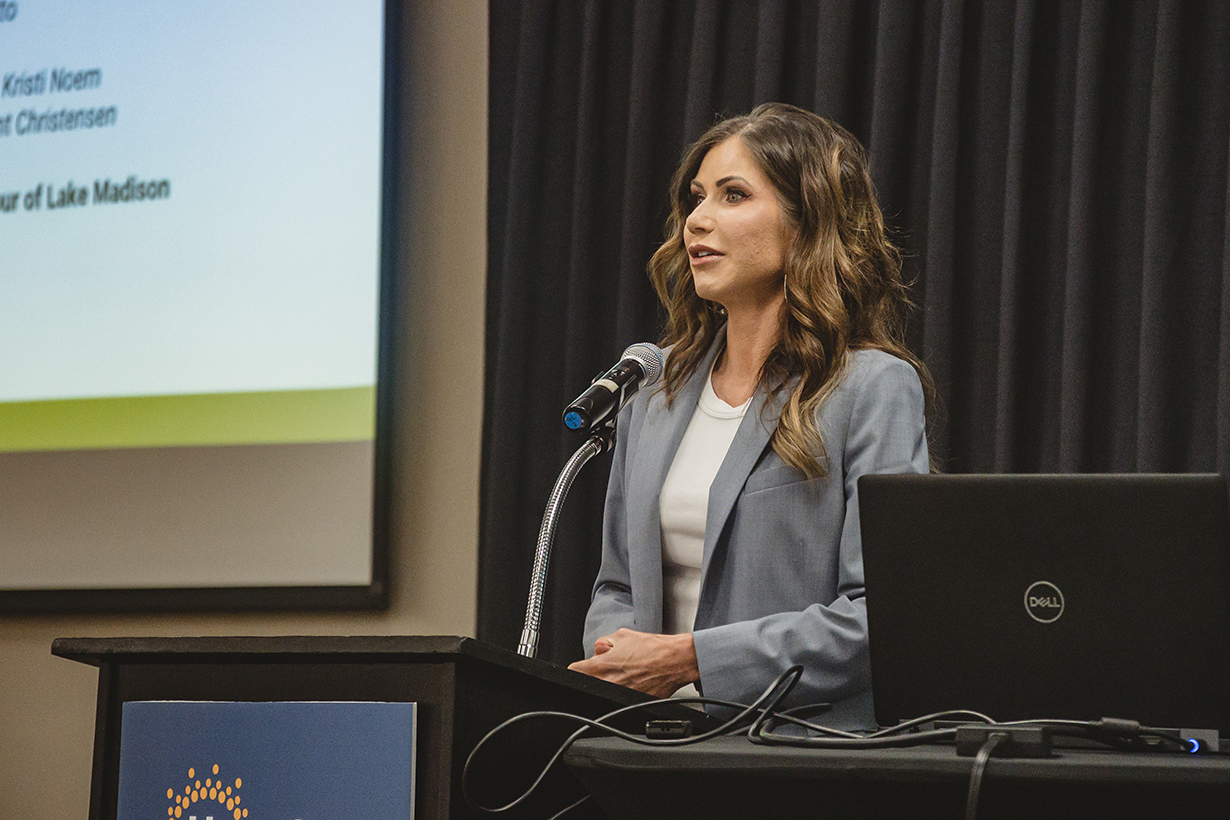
885,433
611,605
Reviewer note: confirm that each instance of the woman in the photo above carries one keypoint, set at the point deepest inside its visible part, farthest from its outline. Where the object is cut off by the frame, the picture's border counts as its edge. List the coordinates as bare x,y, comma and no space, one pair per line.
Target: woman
731,546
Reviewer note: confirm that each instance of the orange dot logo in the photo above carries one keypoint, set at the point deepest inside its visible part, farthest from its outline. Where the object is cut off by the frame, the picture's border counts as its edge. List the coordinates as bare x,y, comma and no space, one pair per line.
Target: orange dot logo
212,789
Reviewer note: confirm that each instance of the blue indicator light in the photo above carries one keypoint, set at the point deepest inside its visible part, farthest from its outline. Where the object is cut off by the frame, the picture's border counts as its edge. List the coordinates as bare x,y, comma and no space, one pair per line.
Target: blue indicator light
573,420
1193,745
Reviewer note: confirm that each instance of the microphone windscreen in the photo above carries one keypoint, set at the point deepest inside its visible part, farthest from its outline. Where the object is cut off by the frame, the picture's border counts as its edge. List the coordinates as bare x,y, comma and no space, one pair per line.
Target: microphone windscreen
649,357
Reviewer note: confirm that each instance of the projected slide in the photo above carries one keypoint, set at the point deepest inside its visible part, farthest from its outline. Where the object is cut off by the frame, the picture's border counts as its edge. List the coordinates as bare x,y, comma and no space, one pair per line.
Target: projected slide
190,264
189,200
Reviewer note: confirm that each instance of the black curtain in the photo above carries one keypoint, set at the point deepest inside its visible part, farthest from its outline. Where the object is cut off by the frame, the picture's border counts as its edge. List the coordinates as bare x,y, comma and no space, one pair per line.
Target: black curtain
1057,173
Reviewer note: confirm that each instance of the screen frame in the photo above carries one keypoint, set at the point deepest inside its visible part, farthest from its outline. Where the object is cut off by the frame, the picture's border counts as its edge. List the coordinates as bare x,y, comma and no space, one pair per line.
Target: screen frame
371,596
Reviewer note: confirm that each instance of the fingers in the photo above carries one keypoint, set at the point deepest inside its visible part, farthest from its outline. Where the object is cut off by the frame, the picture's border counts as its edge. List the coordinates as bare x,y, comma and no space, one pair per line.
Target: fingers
601,647
654,664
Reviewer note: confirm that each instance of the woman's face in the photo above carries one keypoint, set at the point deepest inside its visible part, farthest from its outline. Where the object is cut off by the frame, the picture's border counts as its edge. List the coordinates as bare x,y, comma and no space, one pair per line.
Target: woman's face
737,234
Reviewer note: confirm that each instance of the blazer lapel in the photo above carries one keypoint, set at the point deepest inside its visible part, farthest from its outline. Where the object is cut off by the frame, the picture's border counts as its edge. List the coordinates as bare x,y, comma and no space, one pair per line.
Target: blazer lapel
661,433
753,436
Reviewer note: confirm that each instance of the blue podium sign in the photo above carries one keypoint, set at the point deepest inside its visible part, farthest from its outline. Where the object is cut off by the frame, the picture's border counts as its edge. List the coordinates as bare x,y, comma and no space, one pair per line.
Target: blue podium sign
186,760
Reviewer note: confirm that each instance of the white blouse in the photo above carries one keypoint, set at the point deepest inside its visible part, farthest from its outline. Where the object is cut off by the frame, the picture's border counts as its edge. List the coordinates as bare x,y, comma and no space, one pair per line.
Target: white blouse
684,503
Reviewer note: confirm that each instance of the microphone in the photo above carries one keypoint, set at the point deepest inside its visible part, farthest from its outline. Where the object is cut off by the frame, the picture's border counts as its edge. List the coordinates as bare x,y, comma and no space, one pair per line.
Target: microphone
640,364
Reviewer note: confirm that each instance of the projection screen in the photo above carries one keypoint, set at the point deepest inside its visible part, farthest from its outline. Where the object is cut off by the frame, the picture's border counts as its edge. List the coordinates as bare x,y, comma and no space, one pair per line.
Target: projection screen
193,209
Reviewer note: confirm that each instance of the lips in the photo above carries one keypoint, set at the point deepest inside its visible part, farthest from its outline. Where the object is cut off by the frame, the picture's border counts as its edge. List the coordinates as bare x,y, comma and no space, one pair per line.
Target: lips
700,253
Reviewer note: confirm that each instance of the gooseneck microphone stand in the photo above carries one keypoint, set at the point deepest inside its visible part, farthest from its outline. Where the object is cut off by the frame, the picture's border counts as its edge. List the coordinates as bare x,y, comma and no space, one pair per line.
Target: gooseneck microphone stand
600,441
594,411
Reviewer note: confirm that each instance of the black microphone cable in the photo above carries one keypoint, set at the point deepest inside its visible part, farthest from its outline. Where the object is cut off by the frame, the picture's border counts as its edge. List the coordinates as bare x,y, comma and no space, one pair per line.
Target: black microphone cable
768,700
993,740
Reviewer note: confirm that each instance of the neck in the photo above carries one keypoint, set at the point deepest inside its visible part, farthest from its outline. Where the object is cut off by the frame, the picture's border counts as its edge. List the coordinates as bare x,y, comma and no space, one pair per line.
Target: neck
750,337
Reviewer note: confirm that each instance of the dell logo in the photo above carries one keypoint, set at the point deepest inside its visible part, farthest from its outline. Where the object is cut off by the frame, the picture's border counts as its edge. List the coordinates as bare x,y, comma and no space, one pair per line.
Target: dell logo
1044,602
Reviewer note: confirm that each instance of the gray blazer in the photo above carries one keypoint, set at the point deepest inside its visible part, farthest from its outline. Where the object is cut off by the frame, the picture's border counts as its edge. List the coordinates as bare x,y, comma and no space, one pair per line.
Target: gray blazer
782,572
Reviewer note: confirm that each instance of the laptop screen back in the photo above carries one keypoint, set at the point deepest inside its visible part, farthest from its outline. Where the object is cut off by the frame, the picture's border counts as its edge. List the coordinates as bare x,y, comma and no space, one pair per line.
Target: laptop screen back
1049,596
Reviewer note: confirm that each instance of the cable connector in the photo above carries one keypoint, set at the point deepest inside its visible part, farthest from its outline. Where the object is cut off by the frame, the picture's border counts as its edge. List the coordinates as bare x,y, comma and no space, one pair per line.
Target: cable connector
1118,727
1020,741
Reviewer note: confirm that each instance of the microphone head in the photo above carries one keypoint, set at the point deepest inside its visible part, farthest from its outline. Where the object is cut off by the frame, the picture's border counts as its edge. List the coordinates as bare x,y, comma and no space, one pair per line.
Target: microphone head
649,357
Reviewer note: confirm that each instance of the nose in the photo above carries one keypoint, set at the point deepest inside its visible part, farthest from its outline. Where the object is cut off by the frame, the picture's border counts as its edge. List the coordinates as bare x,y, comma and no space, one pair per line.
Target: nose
699,221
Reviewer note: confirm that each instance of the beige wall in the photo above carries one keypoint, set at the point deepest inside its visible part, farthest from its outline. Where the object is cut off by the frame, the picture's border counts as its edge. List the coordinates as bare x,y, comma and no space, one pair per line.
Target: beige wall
47,704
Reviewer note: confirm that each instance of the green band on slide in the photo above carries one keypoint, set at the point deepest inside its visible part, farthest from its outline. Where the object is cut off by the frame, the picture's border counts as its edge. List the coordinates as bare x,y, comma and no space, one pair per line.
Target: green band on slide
275,417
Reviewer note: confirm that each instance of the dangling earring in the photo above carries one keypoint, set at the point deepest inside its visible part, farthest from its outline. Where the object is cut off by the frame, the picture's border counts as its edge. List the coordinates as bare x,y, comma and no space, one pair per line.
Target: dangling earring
785,290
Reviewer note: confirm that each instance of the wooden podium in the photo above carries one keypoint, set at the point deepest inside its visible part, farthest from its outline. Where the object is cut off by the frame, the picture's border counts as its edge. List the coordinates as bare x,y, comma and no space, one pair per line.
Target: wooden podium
463,689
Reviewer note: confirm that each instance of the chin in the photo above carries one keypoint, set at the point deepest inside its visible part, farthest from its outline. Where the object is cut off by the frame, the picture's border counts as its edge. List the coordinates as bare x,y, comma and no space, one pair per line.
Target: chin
707,290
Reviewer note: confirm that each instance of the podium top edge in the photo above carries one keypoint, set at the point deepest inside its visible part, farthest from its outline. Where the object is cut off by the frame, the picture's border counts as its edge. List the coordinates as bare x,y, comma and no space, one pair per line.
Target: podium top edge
96,651
465,653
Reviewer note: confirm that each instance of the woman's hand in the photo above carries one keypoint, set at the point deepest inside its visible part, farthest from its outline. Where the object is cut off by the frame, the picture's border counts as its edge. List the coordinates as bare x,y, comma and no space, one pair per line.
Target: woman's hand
654,664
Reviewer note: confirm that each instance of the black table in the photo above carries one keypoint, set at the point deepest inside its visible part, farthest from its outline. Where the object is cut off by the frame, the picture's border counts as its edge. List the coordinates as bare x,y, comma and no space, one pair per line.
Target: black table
731,777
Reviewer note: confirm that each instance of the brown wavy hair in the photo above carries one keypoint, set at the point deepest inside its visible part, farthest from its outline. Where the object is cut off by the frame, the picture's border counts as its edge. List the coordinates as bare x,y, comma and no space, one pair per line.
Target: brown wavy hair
843,280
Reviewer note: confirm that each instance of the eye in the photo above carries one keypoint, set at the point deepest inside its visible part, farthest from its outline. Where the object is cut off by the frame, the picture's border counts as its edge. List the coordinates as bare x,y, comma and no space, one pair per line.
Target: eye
695,198
735,195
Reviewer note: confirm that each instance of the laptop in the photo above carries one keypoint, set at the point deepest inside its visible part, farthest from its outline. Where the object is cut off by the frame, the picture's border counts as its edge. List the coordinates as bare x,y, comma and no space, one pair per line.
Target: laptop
1050,596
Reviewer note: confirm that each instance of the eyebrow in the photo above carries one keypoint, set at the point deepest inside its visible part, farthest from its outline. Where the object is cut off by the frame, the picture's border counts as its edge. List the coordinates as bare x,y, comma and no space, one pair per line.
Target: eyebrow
723,181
